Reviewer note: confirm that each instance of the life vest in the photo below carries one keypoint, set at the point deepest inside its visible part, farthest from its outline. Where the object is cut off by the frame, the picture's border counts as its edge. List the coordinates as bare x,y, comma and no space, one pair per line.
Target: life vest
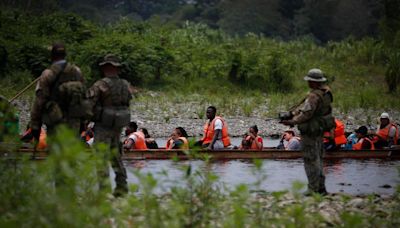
384,133
87,135
339,134
254,144
185,145
358,145
209,132
42,144
140,143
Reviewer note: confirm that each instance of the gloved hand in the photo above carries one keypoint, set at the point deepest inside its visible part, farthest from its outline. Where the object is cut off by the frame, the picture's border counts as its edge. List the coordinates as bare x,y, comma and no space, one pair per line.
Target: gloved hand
36,134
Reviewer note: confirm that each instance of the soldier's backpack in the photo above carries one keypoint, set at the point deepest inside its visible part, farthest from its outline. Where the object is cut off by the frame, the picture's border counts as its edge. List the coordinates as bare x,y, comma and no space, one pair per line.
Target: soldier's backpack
67,96
114,112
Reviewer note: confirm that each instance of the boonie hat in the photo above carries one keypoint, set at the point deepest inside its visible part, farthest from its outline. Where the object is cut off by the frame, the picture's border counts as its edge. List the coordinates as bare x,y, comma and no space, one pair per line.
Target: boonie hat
315,75
385,115
362,130
110,59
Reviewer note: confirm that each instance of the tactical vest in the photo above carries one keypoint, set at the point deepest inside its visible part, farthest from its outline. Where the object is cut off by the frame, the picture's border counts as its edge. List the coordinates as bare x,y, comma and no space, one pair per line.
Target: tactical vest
115,111
322,120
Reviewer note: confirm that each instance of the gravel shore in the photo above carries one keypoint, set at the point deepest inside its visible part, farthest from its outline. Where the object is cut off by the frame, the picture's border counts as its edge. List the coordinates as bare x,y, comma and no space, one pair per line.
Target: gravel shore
161,121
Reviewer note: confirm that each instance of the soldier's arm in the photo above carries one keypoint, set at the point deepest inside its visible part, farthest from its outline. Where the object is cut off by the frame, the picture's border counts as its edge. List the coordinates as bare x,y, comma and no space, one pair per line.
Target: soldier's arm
94,92
306,111
42,92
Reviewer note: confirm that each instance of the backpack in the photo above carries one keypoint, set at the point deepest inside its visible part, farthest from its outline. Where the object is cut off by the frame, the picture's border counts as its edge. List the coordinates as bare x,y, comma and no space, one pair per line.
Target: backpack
68,98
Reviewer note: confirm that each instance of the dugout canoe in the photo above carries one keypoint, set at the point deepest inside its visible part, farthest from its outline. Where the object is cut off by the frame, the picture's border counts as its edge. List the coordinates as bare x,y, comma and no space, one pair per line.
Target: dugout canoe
267,153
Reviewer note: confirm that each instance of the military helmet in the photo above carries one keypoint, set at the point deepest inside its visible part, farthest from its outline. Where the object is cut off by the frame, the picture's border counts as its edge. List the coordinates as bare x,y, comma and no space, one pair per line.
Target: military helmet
315,75
110,59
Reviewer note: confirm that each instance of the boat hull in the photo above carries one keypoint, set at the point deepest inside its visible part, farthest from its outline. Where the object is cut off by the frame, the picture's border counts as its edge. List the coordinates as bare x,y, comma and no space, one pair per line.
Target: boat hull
391,154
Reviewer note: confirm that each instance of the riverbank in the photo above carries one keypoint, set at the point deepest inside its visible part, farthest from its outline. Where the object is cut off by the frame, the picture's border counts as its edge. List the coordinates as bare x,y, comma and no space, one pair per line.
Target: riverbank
160,114
282,209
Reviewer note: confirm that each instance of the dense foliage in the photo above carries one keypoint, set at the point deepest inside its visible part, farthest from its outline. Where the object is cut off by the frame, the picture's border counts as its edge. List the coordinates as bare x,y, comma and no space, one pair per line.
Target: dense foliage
197,58
322,19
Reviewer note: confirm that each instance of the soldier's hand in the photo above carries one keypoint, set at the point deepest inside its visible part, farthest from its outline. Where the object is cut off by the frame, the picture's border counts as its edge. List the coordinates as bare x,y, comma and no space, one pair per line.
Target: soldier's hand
36,134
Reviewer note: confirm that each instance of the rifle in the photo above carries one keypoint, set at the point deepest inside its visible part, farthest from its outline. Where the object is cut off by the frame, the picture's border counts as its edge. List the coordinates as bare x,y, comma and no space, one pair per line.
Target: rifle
24,89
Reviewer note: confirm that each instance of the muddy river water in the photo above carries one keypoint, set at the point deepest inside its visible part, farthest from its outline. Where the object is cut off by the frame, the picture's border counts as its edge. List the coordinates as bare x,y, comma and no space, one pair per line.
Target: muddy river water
346,175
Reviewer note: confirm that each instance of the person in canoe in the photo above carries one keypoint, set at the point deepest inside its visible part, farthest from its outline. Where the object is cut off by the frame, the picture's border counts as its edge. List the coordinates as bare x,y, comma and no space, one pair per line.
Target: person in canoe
178,139
215,131
252,140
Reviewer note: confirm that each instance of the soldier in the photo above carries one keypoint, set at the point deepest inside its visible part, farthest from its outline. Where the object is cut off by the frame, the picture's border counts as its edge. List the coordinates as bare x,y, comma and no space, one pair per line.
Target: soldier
59,92
110,97
313,116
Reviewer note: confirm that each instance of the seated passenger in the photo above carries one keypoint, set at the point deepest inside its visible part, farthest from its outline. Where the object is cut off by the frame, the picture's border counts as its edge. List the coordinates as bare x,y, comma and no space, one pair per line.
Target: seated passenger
178,139
293,142
336,138
150,142
136,139
351,140
215,132
251,140
363,143
387,134
87,135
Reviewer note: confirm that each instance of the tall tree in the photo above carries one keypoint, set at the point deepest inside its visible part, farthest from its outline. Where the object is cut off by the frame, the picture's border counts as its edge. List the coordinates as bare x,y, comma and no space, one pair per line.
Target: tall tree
257,16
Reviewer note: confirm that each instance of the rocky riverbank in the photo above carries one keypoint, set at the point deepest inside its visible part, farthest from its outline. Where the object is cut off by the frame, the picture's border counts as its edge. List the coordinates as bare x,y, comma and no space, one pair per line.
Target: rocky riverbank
161,116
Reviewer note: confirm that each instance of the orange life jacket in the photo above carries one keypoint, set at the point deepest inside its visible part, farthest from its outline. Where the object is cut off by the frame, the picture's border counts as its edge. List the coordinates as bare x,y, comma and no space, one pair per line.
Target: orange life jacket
86,136
185,145
42,144
384,133
209,132
140,143
254,144
358,145
339,134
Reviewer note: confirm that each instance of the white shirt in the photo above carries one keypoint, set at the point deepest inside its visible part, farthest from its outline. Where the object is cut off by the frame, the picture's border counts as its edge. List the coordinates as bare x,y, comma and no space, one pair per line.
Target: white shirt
133,137
218,124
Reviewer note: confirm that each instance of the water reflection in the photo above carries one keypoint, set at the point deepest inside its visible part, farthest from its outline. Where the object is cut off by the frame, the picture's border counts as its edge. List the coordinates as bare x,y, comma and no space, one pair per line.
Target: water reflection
346,175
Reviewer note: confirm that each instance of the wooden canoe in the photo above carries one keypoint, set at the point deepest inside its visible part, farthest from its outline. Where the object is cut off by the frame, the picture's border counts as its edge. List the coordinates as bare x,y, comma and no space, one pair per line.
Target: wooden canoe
391,154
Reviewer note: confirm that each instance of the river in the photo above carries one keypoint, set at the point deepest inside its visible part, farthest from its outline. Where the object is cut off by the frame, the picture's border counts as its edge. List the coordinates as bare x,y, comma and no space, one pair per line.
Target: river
346,175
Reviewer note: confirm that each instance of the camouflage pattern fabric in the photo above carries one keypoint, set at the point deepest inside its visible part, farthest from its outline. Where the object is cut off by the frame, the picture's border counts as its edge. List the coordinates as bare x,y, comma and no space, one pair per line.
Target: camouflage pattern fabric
111,138
44,90
305,116
312,148
101,95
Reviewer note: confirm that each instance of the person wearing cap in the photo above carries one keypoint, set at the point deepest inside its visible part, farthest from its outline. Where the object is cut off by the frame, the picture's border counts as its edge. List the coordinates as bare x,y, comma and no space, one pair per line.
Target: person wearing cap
313,116
363,142
110,98
49,106
387,134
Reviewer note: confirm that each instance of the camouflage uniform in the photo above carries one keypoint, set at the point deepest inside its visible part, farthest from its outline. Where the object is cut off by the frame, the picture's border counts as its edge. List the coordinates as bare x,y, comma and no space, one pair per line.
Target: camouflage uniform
110,92
46,91
308,116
